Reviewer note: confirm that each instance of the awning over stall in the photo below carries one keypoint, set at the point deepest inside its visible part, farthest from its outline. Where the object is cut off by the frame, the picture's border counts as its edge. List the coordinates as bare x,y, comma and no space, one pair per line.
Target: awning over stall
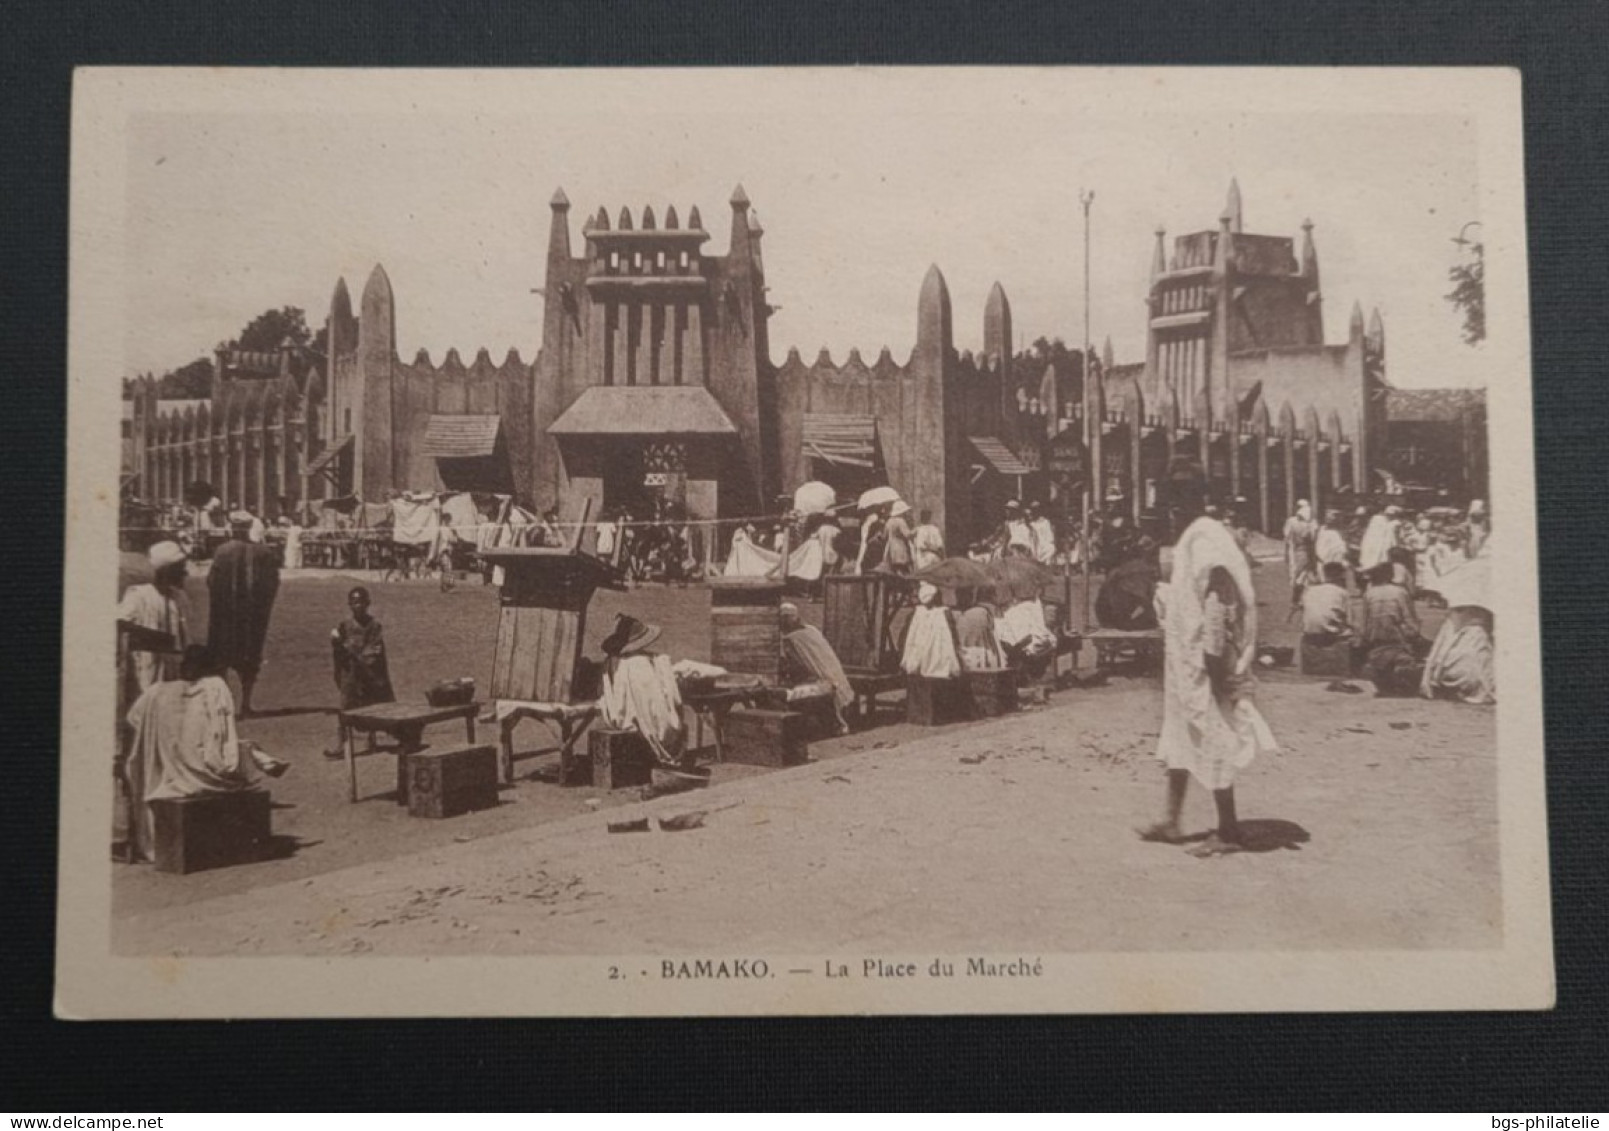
461,437
998,456
841,439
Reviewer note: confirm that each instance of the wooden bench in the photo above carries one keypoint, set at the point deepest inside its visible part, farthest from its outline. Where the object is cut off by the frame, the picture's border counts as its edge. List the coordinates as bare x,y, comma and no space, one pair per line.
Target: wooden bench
572,719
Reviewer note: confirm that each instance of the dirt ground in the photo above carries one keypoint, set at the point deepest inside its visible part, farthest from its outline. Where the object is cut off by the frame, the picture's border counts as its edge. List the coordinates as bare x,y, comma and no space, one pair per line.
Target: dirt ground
1376,825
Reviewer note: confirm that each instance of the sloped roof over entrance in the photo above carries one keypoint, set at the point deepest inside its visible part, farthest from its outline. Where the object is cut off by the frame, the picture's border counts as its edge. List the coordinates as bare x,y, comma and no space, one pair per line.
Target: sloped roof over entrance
644,410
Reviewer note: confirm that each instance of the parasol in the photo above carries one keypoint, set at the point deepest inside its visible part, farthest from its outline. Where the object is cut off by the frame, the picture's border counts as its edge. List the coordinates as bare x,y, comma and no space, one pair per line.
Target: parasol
955,573
1019,579
877,496
814,498
1468,583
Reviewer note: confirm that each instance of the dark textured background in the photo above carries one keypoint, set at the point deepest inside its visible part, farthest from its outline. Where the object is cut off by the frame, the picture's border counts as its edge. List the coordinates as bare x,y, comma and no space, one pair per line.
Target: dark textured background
1502,1062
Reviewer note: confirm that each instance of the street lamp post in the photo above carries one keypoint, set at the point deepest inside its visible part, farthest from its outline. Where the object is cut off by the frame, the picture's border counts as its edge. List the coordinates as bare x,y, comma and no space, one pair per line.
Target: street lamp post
1092,428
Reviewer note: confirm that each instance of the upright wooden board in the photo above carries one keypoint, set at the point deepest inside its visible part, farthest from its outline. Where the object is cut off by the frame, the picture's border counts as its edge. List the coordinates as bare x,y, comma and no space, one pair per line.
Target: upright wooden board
858,620
542,621
745,633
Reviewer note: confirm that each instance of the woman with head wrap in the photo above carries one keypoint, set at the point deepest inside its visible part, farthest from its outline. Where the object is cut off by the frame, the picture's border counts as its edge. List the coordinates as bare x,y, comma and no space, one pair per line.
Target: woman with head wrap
1210,727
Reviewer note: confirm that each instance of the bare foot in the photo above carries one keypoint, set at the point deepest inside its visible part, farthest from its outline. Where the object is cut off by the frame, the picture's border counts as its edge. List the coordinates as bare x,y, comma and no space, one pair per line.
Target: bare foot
1216,845
1163,832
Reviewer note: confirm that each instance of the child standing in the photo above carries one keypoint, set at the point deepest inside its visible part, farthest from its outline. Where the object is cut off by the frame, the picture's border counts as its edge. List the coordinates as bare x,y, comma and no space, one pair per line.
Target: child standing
361,671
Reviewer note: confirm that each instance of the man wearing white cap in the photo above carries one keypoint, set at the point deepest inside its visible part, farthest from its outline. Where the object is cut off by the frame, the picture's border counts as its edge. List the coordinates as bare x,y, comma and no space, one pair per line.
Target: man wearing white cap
161,607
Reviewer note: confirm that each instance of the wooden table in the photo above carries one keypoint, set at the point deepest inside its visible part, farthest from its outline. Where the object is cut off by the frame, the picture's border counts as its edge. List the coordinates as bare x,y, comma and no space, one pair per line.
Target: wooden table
869,685
715,706
572,720
1144,643
403,721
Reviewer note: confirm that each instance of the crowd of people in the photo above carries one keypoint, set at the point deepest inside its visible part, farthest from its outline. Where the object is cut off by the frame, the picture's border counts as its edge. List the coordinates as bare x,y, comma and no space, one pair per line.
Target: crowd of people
1184,571
1395,562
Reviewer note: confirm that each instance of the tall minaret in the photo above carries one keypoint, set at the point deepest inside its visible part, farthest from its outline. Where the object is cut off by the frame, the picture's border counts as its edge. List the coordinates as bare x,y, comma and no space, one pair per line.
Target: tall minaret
997,351
1232,207
373,470
931,480
1315,297
1153,354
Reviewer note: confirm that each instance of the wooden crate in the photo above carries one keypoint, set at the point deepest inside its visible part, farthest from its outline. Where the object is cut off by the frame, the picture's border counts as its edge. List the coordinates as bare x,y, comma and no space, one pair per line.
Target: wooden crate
211,831
745,632
992,692
445,783
858,620
935,702
619,758
755,736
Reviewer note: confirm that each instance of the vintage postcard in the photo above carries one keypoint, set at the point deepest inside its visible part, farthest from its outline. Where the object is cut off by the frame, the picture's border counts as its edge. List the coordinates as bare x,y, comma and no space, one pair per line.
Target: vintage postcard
800,541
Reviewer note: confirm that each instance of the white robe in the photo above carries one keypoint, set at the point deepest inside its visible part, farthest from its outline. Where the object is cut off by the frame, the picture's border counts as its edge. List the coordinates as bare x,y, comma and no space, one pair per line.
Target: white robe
148,607
927,546
1379,538
1044,541
930,645
640,693
185,745
1212,738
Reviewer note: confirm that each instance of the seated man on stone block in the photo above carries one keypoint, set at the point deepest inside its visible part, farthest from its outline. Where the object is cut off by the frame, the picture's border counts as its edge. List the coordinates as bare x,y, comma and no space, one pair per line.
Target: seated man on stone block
640,692
808,658
185,745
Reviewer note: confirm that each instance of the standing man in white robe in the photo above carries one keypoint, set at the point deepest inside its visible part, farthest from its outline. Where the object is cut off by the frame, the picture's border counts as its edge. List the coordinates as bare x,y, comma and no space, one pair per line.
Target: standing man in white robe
1044,534
1210,727
160,606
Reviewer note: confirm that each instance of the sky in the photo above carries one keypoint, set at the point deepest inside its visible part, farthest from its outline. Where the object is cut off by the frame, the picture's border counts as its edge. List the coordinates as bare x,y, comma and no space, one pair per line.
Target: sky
860,183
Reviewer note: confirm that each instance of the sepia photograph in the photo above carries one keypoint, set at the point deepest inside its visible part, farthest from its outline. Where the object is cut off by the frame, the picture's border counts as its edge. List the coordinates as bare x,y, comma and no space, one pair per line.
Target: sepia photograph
800,541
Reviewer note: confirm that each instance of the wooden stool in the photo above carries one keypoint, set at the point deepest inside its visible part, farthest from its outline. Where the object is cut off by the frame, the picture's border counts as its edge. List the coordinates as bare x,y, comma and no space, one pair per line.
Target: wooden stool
445,783
211,831
935,702
756,736
620,758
